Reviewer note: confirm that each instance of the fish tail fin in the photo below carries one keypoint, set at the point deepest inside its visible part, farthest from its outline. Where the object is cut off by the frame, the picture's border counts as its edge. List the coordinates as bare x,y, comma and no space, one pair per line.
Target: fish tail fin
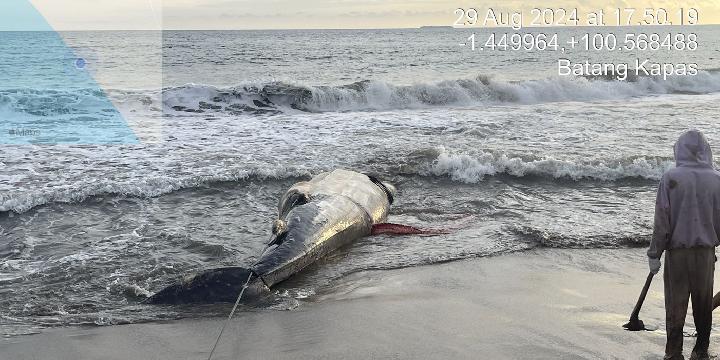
212,286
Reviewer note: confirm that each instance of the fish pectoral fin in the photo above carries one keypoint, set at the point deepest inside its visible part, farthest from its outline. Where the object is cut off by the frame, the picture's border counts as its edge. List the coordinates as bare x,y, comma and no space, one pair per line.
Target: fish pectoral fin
398,229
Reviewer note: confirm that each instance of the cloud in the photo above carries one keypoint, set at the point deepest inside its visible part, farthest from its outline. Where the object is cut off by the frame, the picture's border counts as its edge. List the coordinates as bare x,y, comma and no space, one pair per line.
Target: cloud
101,14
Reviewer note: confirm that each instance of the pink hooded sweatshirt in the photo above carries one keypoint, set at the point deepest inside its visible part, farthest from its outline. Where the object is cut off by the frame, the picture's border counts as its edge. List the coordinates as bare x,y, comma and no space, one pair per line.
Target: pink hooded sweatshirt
687,210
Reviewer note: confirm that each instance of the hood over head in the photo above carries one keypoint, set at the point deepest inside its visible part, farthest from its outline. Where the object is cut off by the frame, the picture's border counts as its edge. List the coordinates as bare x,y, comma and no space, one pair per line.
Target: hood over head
693,149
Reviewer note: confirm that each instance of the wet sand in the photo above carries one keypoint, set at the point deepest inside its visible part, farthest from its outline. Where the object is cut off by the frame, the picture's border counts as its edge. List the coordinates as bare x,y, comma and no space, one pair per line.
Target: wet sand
545,304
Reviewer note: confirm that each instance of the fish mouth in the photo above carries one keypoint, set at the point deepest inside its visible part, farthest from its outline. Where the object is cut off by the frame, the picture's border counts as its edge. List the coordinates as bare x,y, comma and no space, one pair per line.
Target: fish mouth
221,285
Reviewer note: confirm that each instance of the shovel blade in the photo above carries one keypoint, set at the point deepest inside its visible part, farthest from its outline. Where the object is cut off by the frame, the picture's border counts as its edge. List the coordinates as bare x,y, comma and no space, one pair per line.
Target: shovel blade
638,325
634,325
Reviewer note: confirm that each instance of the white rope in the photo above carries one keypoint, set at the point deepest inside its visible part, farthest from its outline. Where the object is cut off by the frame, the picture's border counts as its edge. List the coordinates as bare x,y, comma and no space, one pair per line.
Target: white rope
237,302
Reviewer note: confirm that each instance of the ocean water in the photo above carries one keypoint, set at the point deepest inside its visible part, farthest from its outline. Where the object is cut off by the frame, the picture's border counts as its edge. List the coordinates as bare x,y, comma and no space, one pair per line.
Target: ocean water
493,146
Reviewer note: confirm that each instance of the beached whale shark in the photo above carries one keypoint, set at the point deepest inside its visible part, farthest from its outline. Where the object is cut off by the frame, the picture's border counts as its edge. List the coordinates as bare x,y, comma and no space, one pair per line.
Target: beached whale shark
315,218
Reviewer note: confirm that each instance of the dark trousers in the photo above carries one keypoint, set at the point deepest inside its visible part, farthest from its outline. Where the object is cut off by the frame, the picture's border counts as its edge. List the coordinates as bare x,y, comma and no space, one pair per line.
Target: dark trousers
688,273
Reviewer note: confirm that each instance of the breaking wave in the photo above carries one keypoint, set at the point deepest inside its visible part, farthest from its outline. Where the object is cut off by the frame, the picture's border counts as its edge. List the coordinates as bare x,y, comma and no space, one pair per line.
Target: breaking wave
473,168
458,166
148,187
367,95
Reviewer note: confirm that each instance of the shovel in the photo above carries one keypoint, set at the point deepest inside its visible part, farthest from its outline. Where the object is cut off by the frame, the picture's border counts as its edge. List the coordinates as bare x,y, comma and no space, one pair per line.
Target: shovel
635,324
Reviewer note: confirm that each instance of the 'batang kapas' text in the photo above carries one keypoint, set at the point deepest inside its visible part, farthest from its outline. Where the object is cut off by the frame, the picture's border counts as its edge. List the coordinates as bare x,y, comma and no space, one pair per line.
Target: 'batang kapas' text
623,71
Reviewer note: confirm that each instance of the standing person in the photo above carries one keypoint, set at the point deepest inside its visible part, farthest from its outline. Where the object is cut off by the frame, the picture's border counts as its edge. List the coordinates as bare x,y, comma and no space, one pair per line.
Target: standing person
687,229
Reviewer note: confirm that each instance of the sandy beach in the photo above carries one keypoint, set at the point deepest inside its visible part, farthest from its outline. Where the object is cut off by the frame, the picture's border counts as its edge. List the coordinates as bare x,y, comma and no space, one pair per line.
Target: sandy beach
409,181
546,304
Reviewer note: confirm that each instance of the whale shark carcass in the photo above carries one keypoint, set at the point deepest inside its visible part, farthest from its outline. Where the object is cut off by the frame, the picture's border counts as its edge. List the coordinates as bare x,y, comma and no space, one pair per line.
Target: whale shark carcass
315,218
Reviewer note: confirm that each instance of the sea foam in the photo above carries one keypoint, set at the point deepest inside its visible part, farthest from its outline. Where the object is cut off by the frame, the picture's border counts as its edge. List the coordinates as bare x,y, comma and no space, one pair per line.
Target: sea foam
473,168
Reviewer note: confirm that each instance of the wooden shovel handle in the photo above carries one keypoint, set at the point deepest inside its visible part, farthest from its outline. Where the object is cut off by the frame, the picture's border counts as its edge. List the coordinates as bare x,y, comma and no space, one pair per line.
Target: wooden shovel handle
643,294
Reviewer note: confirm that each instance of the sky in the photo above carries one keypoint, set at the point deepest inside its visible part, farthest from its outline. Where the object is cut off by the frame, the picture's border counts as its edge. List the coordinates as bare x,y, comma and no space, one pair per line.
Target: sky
313,14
